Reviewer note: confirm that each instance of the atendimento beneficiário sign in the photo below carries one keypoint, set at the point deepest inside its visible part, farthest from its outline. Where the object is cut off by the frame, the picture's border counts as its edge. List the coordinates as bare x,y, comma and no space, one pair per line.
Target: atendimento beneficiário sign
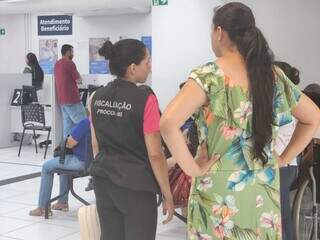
55,25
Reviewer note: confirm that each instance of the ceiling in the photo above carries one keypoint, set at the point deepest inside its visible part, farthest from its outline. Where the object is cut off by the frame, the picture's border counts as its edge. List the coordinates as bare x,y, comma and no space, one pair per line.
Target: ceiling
77,7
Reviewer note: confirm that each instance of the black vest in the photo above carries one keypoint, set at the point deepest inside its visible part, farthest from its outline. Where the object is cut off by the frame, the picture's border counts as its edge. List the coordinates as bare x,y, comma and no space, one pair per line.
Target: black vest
117,115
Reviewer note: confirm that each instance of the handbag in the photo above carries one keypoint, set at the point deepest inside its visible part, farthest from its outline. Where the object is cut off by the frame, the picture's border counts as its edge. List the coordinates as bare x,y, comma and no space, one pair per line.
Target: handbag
180,184
89,223
61,151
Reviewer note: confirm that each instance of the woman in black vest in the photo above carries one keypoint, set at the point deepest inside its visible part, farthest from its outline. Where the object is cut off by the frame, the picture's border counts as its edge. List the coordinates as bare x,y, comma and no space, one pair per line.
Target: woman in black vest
129,166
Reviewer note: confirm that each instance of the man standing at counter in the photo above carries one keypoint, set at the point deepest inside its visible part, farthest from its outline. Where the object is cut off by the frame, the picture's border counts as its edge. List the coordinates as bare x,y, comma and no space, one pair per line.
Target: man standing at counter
66,79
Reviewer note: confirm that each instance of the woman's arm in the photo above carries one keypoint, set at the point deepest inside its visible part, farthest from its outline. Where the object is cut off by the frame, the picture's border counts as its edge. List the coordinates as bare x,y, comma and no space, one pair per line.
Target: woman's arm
27,70
159,166
94,142
308,117
188,101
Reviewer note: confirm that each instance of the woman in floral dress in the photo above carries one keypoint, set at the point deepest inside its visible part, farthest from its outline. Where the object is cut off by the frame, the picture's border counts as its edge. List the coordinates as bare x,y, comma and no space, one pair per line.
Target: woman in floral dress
239,99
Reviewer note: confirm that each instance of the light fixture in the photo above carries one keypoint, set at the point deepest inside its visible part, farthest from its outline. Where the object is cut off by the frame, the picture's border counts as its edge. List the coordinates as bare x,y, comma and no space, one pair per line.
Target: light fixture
12,1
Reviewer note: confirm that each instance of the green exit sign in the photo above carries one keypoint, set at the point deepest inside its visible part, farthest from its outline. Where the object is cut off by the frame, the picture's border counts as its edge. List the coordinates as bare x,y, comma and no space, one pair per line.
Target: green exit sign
160,2
2,31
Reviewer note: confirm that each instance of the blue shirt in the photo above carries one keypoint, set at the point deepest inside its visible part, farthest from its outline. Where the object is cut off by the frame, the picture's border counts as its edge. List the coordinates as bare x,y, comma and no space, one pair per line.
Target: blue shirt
81,133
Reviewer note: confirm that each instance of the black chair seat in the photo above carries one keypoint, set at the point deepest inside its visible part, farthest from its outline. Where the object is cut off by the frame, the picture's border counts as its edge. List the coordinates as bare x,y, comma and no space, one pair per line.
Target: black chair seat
38,128
72,173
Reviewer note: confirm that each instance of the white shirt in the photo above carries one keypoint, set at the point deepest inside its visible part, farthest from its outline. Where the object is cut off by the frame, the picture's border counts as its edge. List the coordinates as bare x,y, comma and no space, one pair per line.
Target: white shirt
284,136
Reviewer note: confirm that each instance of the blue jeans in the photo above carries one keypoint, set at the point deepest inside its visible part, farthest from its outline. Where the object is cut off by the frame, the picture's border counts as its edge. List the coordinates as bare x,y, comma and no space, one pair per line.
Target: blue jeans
71,163
287,176
72,114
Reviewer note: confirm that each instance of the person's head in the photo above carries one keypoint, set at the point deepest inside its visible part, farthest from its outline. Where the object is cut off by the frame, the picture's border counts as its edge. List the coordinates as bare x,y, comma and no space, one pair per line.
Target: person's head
67,51
234,30
48,44
291,72
31,59
129,59
314,96
313,87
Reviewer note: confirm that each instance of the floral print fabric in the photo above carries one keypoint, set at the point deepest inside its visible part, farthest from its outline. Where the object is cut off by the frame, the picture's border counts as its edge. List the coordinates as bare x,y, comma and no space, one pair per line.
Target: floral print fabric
238,199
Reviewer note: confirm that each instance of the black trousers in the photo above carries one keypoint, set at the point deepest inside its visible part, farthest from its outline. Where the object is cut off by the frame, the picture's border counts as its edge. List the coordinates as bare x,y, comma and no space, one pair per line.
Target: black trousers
125,214
287,175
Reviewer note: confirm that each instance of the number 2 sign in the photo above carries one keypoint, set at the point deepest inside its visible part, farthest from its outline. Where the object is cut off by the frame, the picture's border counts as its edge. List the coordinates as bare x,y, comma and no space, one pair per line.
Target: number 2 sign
17,96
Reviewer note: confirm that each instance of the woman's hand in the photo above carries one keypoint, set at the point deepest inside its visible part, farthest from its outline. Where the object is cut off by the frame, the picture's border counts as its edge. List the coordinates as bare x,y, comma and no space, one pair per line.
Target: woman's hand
168,208
203,160
281,161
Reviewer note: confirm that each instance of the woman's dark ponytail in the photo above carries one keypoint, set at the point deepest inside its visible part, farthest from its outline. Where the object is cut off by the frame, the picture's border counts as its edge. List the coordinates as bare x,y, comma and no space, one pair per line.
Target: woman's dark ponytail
238,21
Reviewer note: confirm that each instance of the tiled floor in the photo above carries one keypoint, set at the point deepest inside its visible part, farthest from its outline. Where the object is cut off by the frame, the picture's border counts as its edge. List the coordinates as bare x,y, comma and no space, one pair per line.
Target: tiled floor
18,198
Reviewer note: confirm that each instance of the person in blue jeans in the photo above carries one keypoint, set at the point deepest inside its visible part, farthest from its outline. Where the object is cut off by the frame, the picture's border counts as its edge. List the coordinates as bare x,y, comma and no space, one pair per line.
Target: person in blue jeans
79,142
71,115
67,79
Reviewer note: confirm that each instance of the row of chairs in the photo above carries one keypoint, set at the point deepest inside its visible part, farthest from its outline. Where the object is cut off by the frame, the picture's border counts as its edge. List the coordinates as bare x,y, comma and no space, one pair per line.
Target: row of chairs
33,119
33,115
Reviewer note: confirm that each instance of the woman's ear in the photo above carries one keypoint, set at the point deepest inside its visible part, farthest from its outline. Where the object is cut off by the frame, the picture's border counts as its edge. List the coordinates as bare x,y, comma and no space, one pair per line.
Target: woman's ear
132,68
219,33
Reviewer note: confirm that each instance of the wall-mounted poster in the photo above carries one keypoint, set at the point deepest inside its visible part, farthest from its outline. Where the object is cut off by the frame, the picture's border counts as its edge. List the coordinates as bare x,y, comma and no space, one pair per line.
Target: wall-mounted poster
147,40
48,54
98,64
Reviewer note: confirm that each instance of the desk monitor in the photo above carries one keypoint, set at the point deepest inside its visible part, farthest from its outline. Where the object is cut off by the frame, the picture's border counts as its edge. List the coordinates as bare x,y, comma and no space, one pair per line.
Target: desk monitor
92,88
29,94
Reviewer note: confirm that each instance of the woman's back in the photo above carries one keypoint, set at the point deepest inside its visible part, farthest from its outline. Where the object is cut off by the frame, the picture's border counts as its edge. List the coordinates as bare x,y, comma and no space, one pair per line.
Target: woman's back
228,118
238,181
117,116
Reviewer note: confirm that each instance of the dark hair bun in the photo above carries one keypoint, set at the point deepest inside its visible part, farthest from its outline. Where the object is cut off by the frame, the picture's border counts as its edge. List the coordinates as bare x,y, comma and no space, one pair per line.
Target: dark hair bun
295,75
107,50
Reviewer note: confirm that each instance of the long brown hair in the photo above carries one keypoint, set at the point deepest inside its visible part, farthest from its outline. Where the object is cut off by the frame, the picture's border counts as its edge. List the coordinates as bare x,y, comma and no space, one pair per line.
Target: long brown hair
238,21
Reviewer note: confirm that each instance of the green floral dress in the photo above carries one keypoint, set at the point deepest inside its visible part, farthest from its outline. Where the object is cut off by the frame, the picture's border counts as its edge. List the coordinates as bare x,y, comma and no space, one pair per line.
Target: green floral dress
238,198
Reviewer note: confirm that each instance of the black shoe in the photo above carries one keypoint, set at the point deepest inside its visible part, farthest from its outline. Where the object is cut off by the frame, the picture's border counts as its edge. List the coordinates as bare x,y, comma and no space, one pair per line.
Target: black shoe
90,185
42,144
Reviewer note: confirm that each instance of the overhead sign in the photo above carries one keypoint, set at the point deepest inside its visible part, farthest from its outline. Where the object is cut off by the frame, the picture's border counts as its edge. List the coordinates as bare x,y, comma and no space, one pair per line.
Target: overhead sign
55,25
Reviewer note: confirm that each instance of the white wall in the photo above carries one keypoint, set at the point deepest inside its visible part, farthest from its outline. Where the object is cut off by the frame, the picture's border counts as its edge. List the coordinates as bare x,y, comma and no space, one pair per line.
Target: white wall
292,28
12,44
181,41
181,38
8,82
133,26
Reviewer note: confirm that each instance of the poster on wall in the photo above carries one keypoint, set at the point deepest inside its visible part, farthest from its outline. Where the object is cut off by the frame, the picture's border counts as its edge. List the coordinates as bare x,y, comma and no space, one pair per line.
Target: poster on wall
98,64
48,54
147,40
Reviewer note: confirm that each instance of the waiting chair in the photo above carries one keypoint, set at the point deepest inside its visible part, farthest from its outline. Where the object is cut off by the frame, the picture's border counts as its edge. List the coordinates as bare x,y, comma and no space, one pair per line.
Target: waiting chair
71,174
33,118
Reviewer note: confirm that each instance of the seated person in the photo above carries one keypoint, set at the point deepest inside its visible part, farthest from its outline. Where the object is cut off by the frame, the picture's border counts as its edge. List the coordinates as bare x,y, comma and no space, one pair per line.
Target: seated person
313,92
78,141
312,88
289,172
